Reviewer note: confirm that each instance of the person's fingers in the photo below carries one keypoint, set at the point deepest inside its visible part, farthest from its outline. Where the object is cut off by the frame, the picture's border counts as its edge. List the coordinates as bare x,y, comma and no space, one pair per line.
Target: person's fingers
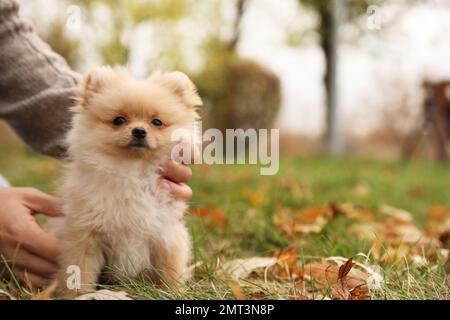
23,259
40,202
40,243
28,277
176,172
179,191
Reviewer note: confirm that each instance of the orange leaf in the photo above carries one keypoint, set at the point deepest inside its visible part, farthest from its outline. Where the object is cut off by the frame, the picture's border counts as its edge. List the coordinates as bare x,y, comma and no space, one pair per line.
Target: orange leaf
304,221
310,215
256,196
354,212
345,282
236,289
258,295
339,289
286,263
216,217
438,212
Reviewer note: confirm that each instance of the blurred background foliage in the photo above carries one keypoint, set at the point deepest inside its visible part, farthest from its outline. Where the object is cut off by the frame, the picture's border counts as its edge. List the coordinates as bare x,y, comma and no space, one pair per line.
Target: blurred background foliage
65,46
204,40
237,92
330,14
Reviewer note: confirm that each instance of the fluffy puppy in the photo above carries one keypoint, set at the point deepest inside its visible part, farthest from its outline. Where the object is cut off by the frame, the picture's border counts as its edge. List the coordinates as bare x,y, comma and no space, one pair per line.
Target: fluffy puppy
115,214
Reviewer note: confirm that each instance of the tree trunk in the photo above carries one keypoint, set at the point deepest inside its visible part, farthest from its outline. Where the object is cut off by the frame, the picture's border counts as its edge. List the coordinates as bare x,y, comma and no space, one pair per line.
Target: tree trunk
240,10
329,25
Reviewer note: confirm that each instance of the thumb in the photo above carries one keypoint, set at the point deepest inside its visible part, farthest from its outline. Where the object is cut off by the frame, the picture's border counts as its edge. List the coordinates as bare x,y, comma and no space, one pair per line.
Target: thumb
40,202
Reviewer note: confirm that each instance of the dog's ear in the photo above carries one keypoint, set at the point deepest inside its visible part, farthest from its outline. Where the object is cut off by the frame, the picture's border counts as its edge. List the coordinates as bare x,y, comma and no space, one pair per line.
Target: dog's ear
181,85
94,82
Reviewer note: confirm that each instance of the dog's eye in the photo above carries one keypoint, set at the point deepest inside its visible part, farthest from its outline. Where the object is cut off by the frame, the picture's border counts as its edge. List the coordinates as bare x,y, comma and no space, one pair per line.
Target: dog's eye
119,121
157,122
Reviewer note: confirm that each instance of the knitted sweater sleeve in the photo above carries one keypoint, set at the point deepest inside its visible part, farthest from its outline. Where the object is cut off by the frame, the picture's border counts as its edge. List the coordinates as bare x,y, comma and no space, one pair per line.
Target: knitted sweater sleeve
36,84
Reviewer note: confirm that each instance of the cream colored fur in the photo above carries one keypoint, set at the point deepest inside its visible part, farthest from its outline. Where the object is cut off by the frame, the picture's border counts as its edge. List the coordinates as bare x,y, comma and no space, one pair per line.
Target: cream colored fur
116,216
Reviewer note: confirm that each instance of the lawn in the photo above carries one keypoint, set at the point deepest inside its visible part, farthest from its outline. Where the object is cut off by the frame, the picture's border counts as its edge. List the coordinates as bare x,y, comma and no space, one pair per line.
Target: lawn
314,208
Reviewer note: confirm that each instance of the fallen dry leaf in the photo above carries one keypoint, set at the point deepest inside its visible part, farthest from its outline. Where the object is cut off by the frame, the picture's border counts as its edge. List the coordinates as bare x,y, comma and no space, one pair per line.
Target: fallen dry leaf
258,295
390,229
438,212
395,254
310,215
444,237
393,241
362,271
353,211
346,283
375,250
304,221
340,289
236,289
214,217
445,254
403,233
241,268
283,220
344,278
396,213
316,227
369,231
104,295
286,266
359,293
256,197
326,274
438,224
396,238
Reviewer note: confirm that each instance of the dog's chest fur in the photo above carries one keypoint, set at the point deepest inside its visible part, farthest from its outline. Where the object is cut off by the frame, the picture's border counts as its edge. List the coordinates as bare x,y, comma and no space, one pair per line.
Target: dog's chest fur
124,207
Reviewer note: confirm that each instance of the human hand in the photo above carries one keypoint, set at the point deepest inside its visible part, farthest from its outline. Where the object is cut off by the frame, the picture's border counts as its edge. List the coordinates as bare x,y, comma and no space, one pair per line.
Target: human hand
175,176
23,244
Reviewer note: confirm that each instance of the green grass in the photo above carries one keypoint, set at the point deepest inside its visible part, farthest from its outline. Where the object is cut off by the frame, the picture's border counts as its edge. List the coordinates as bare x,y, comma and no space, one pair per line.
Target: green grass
414,186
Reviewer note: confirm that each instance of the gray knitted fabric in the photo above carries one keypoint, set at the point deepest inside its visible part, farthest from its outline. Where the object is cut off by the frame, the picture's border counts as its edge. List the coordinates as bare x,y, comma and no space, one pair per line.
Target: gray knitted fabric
36,84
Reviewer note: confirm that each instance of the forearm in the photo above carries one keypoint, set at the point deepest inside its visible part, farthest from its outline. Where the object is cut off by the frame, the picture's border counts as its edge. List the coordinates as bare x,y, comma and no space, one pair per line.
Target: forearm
36,85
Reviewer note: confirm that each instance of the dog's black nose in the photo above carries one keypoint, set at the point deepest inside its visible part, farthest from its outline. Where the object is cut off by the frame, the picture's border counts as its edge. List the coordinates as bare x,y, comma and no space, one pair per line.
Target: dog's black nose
139,133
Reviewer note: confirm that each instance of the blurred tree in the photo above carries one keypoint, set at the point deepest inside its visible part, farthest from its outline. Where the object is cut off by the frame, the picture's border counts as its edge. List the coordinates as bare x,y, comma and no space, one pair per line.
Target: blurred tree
237,92
241,6
254,97
330,12
61,43
127,15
